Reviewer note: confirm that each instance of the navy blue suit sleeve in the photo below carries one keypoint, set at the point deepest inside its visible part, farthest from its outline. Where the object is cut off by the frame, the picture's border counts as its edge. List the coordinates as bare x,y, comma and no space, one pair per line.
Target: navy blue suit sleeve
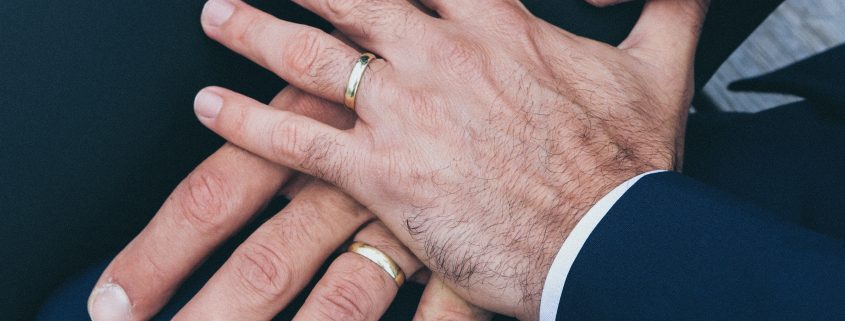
672,248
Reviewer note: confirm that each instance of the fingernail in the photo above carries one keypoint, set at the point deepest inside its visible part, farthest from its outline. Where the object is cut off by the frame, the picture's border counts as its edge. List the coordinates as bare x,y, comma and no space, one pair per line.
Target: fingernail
216,12
207,104
109,303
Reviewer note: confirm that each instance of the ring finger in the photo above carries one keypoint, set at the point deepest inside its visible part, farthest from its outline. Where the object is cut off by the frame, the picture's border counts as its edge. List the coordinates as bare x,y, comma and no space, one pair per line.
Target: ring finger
304,56
392,28
355,287
267,271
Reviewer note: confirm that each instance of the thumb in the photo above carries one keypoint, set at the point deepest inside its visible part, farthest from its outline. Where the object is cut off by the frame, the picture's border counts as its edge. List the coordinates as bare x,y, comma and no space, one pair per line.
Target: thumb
667,32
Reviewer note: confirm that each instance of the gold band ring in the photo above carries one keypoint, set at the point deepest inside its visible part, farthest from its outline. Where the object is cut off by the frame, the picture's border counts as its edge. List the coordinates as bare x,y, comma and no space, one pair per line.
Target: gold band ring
379,258
355,79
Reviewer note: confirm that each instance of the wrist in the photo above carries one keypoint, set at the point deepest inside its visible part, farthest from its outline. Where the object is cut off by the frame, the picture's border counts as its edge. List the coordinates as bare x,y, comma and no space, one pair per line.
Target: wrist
570,247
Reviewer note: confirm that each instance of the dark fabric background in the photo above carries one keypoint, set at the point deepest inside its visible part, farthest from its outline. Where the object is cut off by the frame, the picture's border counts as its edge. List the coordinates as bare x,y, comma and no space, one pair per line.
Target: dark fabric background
96,124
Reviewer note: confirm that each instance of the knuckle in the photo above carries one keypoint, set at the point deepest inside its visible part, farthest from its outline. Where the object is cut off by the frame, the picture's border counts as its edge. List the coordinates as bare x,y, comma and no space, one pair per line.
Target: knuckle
333,166
293,140
306,213
202,199
285,138
509,20
341,10
318,156
430,110
298,223
346,299
262,271
305,57
463,57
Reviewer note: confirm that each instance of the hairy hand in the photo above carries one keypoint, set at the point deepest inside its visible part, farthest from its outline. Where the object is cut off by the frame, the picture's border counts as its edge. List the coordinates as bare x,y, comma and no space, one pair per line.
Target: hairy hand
484,134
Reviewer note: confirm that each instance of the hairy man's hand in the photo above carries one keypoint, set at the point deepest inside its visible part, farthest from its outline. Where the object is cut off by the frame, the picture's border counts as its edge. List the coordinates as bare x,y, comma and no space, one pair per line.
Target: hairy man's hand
484,134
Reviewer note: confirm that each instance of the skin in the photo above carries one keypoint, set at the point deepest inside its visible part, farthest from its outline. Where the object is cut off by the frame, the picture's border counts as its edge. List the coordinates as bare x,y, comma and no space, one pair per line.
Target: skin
424,155
480,149
267,271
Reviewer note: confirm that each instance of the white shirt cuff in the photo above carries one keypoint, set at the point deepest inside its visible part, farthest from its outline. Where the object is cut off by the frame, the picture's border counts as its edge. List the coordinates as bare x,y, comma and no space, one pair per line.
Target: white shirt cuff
553,288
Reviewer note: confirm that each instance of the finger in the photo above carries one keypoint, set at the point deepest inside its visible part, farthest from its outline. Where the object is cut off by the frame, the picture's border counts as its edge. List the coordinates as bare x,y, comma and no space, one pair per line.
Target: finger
205,209
482,12
667,32
305,57
294,185
605,3
268,270
440,7
246,179
388,27
319,109
316,108
355,288
455,9
421,277
283,137
438,302
213,202
422,7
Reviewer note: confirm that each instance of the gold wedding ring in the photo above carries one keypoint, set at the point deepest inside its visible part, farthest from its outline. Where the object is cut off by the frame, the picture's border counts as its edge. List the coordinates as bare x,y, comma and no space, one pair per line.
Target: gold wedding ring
355,79
379,258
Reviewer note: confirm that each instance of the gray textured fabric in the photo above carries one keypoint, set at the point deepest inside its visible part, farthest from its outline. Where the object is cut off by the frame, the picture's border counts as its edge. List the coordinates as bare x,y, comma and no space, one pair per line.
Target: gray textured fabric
796,30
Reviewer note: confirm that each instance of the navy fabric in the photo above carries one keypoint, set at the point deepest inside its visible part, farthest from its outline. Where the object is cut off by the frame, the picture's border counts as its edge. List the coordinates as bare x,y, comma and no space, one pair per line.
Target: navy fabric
673,248
818,79
788,160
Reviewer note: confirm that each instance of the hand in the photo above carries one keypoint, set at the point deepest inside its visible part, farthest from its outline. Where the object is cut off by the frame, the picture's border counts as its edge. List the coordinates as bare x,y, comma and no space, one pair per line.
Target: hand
483,135
267,271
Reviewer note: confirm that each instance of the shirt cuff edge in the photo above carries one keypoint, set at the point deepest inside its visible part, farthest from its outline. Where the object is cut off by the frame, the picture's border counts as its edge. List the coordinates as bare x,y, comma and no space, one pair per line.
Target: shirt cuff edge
559,270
